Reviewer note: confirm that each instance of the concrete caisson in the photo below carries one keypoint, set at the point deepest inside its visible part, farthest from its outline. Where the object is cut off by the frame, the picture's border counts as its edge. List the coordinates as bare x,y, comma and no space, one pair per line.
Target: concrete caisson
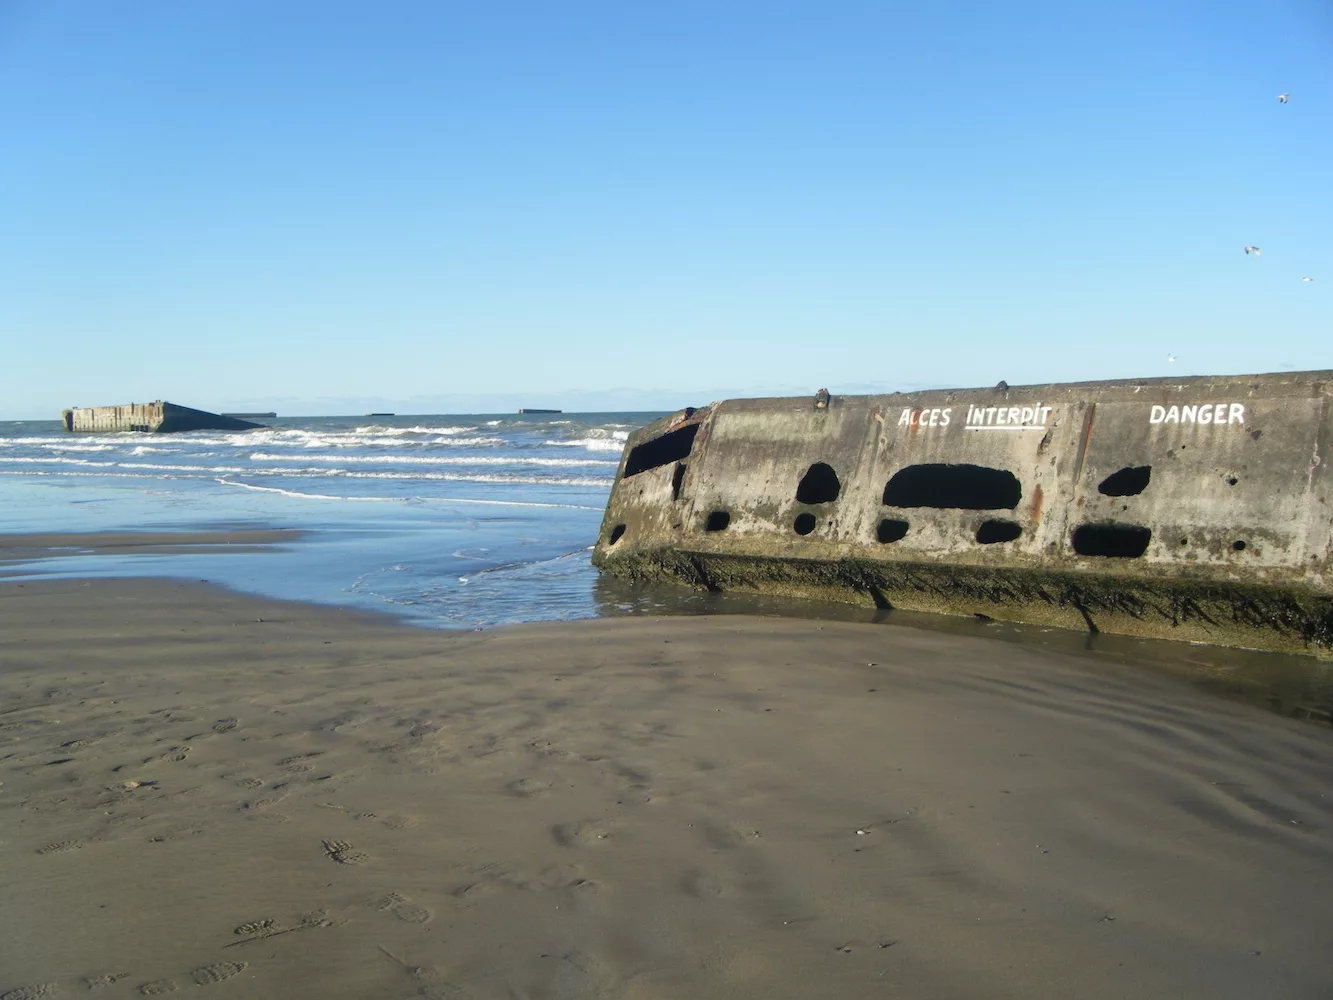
150,418
1194,508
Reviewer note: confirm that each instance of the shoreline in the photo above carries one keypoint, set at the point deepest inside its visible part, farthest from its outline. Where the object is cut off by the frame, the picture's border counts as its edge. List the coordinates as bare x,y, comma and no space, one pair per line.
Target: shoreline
1290,684
200,786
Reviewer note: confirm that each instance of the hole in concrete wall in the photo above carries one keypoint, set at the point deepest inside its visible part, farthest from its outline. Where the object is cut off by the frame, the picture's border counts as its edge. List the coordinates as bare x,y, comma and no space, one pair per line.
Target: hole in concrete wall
660,451
966,487
1118,541
804,523
1232,480
891,529
1129,481
991,532
677,480
818,485
717,520
1238,545
616,533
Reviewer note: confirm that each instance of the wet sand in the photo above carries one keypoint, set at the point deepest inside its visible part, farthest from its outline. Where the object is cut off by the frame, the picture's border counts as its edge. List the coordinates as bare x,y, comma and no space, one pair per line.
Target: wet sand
209,792
45,545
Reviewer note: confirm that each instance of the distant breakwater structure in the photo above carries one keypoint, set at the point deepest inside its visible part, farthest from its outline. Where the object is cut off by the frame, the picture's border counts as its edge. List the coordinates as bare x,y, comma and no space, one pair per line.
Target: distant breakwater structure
1185,508
149,418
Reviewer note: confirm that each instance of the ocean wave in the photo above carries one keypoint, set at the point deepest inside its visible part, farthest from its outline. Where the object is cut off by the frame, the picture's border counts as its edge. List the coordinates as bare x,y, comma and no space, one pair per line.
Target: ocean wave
52,460
591,443
384,437
317,472
603,482
402,431
81,440
261,456
459,500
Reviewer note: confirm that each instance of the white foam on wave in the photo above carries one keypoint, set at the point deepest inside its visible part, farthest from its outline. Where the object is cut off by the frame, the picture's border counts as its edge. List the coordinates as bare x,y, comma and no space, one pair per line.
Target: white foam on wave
480,477
52,460
459,500
362,437
145,449
83,439
311,472
403,431
162,467
591,443
261,456
101,474
598,439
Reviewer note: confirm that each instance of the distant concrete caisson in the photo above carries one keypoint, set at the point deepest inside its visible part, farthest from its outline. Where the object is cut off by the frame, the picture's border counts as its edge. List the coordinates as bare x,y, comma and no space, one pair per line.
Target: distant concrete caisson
1191,508
151,418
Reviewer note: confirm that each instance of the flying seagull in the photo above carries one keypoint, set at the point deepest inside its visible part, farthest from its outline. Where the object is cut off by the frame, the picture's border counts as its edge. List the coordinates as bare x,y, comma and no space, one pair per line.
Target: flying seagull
1170,357
1307,279
1254,250
1282,98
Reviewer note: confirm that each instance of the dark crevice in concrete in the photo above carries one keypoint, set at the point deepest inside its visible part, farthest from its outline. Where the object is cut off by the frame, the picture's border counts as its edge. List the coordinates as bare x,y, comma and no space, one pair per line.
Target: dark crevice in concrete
804,524
819,485
672,447
677,480
1128,482
991,532
965,487
717,520
891,529
1115,541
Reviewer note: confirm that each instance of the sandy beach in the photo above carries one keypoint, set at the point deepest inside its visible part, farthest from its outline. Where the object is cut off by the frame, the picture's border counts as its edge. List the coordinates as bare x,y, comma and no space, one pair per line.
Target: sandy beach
204,791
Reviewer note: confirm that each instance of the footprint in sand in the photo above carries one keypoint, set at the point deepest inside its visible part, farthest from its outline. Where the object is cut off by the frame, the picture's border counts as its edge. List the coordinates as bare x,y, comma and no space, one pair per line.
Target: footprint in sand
403,908
527,788
58,848
157,987
176,754
341,851
396,822
224,725
32,992
299,762
432,985
250,782
217,972
586,833
257,929
261,803
107,979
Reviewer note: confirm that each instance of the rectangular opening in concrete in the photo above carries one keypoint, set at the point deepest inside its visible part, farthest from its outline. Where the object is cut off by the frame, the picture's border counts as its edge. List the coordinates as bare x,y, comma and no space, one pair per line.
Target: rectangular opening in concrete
992,532
962,487
672,447
1116,541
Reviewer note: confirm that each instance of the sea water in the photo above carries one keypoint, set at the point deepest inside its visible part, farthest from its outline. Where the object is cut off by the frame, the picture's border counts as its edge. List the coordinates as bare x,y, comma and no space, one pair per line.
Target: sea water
458,521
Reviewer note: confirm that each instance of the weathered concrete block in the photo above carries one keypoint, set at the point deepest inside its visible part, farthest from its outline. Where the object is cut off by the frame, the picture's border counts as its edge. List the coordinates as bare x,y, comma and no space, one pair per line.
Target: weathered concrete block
151,418
1185,508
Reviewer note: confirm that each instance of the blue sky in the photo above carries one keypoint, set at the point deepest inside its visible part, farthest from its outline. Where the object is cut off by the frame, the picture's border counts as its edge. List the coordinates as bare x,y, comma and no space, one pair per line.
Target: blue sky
332,207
